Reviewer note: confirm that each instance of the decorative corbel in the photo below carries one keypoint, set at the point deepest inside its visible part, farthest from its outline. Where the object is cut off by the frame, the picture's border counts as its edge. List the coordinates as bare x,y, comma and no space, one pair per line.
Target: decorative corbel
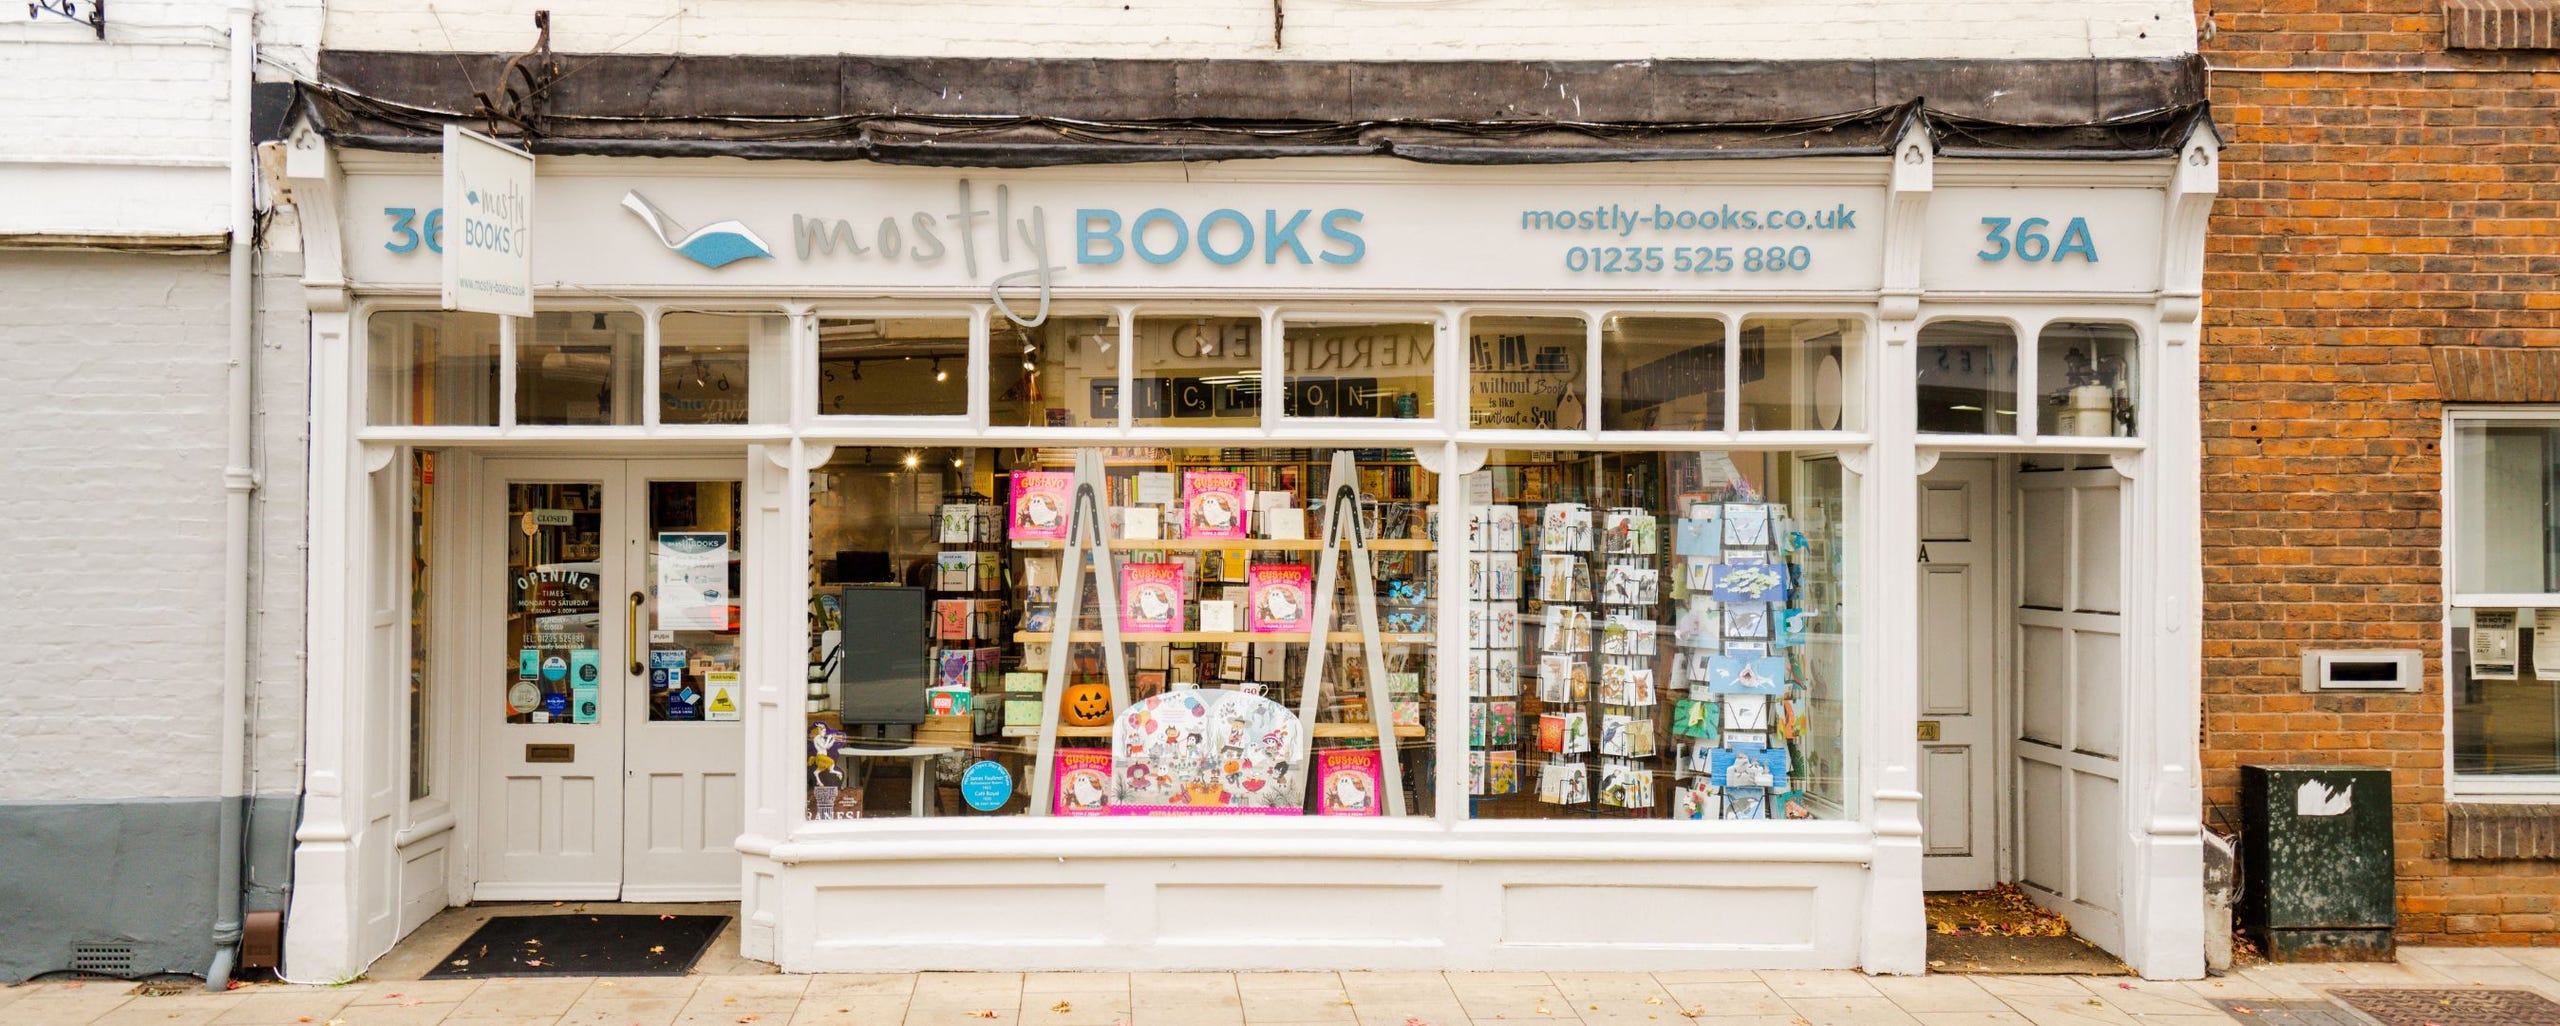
2192,187
1914,176
314,186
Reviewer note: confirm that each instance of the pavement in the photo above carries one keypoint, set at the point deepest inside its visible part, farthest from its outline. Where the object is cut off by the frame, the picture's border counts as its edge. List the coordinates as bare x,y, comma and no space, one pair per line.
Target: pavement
1705,997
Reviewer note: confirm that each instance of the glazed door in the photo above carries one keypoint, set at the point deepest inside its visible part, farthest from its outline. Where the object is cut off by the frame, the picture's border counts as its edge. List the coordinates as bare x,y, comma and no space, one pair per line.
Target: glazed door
550,747
610,761
2070,740
1959,676
683,798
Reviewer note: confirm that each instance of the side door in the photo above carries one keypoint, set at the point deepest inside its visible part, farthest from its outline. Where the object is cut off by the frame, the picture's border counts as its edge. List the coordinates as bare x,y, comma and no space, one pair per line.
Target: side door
550,739
1959,676
682,721
2070,740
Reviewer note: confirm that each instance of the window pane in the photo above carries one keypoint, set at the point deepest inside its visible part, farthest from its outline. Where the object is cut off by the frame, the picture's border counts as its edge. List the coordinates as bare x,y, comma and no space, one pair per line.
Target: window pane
422,556
1064,373
695,551
572,365
2084,379
555,626
900,366
706,364
1526,372
937,598
2506,708
1203,371
2504,477
1380,369
1661,636
1662,374
430,367
1796,374
1968,382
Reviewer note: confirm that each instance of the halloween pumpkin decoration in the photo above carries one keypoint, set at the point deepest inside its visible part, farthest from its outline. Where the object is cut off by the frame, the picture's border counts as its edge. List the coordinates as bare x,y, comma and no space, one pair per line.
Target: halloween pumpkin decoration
1088,704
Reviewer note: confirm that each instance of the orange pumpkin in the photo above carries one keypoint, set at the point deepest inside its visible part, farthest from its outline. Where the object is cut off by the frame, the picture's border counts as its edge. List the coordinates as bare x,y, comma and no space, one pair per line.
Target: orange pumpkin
1088,704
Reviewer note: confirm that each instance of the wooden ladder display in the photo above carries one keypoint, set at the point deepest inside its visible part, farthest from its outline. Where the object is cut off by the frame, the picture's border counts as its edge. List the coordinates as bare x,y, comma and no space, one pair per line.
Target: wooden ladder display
1086,528
1342,528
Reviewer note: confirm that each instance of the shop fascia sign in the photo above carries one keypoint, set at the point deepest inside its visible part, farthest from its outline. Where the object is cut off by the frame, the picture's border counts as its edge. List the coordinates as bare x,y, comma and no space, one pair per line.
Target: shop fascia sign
1021,241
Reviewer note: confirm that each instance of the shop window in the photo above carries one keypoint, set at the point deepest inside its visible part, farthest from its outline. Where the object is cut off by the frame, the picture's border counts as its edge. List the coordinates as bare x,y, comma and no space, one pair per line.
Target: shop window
706,364
1527,372
1662,374
1797,374
1655,635
936,606
578,367
1371,369
2085,379
1064,373
2504,662
893,366
422,557
432,368
1201,371
1968,378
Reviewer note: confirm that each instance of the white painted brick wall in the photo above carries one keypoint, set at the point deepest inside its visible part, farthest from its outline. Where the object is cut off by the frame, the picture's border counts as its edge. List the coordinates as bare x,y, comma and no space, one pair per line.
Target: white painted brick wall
111,497
1313,29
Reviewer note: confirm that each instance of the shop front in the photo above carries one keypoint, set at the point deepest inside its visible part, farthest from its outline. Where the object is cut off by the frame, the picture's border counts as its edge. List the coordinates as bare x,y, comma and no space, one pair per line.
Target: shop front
1300,563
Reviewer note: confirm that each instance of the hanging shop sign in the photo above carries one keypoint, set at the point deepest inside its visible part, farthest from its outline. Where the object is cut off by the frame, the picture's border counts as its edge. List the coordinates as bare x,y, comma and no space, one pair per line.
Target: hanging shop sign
487,247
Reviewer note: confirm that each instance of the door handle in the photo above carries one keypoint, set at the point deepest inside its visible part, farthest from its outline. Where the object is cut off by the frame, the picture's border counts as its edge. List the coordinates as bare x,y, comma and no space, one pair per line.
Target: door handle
631,633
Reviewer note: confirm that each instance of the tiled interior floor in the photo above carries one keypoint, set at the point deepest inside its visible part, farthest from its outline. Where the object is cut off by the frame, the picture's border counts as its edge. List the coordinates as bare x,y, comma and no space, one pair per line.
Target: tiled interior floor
1709,997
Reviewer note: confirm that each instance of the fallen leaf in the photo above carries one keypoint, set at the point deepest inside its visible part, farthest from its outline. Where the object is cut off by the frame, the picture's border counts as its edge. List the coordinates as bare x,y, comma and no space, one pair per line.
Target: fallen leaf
460,961
1653,1001
73,986
303,1019
1062,1008
412,1003
234,985
2095,1003
2244,1009
391,997
748,1018
1692,1013
666,916
2124,986
657,949
1414,1020
557,904
983,1013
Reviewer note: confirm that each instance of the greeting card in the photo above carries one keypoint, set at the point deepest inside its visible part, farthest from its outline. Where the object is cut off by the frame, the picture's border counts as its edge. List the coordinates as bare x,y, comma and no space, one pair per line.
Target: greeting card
1746,621
1631,584
1151,598
1040,499
1746,525
1565,527
1349,782
1791,628
1695,801
1551,733
1502,626
1746,712
1746,675
1694,718
1748,582
1701,536
1746,803
1213,504
1279,598
1577,733
1629,530
1502,772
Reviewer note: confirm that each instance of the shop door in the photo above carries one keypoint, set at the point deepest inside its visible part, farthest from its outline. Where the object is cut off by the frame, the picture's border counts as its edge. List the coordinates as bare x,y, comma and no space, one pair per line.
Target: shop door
2070,738
610,763
1959,676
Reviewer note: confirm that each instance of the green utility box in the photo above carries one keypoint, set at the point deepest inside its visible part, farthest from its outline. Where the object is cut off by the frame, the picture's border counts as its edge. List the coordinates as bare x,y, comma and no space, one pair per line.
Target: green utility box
2317,879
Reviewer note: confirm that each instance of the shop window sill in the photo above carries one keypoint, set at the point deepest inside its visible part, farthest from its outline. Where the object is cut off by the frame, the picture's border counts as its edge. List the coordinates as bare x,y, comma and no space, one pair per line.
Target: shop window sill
2502,830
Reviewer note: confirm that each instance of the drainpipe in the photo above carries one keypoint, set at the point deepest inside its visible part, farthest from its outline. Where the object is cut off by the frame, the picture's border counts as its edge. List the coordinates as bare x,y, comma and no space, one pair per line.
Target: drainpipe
239,480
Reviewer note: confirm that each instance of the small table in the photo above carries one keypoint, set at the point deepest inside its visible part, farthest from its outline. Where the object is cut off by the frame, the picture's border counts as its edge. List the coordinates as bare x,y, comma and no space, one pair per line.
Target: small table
918,759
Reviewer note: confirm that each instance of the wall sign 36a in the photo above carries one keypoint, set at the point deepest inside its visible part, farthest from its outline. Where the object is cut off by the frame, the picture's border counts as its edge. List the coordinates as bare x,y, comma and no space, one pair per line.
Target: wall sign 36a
2029,240
406,232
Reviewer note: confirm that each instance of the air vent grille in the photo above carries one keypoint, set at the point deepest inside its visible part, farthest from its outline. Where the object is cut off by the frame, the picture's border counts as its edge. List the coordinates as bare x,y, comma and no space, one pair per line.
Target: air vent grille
107,958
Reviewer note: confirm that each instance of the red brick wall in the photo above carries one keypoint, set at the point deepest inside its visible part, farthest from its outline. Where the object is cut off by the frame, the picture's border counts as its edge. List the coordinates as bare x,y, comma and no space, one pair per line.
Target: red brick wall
2364,218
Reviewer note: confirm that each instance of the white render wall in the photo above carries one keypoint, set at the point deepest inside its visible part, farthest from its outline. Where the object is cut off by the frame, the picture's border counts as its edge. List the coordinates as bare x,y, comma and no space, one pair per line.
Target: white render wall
1310,29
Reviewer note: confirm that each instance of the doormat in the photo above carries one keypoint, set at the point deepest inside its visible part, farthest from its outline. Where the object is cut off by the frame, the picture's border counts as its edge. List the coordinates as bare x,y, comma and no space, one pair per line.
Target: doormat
582,945
2438,1007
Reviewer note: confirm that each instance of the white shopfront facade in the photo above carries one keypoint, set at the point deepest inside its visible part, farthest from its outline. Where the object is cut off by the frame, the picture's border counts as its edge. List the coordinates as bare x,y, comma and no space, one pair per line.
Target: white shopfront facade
408,809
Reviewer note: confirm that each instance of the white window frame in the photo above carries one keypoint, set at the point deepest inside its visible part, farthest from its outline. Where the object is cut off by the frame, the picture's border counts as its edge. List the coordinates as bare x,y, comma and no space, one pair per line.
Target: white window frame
2480,787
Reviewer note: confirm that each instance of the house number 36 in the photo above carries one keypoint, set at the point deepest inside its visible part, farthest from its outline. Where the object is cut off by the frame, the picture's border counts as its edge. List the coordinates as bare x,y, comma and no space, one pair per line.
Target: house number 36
405,232
2028,240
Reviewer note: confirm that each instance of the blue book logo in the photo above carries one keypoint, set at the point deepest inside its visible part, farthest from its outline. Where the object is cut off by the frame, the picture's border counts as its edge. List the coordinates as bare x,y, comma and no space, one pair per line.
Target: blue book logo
714,245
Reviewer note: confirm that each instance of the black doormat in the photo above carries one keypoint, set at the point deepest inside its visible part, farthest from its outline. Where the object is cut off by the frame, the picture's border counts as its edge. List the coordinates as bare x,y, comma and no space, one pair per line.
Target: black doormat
582,945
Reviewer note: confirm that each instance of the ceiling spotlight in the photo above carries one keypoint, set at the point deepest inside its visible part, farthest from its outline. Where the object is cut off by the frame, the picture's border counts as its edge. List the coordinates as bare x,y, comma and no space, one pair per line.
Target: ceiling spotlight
912,460
938,373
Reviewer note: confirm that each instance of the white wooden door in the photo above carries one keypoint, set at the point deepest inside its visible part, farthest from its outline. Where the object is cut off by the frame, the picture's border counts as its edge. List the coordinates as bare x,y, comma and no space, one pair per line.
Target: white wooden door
683,798
1959,676
2070,743
598,778
550,732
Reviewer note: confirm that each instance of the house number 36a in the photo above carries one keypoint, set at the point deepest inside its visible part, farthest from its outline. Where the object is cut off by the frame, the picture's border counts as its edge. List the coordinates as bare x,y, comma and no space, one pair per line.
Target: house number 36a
2028,240
406,233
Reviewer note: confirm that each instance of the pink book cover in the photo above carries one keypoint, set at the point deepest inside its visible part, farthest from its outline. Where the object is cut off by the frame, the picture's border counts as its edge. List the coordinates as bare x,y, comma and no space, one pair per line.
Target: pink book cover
1040,501
1080,782
1213,504
1348,781
1279,598
1151,598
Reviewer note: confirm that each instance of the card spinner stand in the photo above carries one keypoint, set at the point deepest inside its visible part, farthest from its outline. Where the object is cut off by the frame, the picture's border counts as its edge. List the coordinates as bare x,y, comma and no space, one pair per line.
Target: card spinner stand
1085,525
1342,527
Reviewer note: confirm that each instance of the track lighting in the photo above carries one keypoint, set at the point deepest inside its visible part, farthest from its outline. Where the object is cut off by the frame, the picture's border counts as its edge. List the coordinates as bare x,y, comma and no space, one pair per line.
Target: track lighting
938,373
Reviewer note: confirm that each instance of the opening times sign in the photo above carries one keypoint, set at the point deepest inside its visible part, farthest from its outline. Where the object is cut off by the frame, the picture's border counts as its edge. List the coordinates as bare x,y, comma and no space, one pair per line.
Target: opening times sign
488,222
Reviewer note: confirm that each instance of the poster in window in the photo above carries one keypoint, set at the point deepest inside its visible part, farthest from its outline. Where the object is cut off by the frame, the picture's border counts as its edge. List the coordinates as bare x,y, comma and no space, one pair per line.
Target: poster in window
2493,644
693,581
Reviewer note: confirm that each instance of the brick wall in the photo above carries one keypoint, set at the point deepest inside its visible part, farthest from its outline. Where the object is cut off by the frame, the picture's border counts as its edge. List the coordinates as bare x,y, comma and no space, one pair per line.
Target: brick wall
2368,217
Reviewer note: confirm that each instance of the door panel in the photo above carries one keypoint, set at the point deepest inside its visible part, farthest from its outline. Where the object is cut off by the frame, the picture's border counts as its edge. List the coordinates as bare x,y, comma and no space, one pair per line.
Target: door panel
550,750
685,807
2071,678
1959,676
